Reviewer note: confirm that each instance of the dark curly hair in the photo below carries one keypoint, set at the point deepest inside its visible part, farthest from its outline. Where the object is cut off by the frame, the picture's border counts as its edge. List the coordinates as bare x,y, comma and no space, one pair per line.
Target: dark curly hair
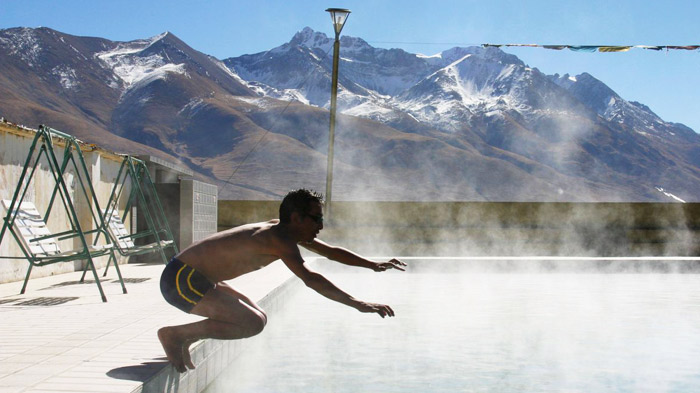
298,201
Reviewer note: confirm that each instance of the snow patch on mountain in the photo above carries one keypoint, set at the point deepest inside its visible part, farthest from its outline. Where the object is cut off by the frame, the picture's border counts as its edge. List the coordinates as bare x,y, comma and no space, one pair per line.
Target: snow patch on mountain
74,49
23,43
67,76
160,73
373,110
135,70
264,90
192,107
668,194
259,102
140,71
227,70
435,56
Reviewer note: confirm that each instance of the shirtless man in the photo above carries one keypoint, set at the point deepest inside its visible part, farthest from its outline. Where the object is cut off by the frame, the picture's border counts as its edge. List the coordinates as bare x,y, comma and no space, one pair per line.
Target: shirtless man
193,281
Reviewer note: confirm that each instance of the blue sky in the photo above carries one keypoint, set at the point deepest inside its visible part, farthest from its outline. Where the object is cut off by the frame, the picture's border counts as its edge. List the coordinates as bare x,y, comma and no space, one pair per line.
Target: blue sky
665,81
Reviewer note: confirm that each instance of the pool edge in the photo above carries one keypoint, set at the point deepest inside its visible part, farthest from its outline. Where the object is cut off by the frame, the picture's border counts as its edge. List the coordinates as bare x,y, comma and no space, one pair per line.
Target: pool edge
212,356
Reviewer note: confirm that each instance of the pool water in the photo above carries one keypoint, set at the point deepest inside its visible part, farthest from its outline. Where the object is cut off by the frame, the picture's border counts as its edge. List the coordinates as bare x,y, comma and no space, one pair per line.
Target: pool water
488,332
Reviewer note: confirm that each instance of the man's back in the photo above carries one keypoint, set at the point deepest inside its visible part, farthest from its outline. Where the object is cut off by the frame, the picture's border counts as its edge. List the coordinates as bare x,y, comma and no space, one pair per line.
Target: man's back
237,251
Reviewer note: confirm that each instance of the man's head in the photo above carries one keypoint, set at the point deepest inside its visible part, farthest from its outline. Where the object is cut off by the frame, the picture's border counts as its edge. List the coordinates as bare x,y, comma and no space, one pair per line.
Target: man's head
302,211
300,201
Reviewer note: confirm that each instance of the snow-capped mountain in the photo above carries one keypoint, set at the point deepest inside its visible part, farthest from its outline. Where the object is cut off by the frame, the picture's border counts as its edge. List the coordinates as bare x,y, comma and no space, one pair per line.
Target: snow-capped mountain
466,124
430,88
609,105
488,99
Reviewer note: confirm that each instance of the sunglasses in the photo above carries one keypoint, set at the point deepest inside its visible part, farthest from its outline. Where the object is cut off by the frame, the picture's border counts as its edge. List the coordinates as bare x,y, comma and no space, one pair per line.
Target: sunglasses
317,219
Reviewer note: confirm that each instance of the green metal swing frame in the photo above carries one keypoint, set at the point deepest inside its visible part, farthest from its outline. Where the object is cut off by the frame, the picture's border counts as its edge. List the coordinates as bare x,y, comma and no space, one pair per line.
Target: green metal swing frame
142,193
43,146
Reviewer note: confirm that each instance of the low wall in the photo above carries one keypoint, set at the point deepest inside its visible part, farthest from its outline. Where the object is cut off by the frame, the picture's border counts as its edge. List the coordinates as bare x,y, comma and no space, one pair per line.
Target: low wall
499,228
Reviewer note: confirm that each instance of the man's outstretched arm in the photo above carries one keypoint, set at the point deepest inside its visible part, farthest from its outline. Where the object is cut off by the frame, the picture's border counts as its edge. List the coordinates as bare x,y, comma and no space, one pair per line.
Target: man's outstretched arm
347,257
323,286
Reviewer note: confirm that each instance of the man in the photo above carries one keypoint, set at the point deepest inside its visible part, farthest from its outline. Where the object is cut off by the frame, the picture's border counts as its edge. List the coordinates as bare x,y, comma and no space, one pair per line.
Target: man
193,281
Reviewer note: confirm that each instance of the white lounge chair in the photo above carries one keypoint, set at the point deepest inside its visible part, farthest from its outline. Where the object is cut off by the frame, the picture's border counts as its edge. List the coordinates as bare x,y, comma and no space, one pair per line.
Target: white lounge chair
39,246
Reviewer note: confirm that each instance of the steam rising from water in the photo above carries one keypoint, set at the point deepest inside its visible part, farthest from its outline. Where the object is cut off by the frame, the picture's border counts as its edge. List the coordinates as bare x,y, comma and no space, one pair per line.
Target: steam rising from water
519,230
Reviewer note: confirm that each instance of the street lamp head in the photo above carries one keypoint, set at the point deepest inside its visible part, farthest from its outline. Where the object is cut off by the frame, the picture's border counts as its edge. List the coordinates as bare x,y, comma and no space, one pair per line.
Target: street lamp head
338,16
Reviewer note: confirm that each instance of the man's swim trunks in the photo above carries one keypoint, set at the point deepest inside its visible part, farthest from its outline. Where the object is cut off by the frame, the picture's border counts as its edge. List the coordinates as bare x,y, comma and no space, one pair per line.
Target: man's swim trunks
182,286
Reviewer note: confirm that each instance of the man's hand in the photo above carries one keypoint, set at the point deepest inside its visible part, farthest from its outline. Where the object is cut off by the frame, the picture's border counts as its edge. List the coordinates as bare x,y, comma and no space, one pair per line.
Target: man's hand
382,309
392,264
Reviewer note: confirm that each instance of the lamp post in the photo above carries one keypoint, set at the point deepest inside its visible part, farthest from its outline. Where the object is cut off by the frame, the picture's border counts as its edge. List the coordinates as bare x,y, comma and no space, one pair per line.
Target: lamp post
338,16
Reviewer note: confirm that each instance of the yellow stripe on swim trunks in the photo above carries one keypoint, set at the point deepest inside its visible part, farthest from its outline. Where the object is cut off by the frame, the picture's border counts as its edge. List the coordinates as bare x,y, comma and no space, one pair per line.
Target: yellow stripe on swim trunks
189,284
177,284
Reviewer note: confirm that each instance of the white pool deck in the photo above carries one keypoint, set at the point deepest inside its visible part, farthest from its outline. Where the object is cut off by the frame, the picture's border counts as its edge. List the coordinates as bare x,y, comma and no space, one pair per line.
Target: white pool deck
85,345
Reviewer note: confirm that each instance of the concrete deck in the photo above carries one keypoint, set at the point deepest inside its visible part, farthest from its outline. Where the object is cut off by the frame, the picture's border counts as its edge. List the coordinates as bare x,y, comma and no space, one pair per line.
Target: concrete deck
60,337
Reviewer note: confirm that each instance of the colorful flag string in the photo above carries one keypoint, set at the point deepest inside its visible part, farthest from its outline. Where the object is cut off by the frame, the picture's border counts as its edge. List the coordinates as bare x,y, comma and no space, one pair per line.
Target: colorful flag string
599,48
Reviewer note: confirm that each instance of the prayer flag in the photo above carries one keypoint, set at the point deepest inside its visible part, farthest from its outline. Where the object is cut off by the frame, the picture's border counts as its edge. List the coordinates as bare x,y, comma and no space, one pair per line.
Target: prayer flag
583,48
614,48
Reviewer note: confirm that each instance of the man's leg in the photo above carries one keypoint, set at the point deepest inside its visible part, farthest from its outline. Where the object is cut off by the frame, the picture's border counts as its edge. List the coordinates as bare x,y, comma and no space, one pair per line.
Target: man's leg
228,318
231,291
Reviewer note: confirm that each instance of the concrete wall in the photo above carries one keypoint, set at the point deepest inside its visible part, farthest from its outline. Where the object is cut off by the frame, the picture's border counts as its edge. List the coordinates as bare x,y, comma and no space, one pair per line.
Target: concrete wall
200,201
14,148
191,208
499,228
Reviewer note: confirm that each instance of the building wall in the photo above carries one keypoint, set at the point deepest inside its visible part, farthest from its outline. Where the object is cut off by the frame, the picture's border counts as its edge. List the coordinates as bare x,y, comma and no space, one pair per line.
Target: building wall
191,208
103,166
203,204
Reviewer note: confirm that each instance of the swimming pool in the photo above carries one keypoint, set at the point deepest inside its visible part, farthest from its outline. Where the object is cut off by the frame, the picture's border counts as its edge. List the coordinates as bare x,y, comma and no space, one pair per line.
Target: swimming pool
481,332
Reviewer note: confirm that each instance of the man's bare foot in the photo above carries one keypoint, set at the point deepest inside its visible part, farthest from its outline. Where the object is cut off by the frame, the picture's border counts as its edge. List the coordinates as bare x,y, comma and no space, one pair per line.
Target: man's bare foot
173,349
187,359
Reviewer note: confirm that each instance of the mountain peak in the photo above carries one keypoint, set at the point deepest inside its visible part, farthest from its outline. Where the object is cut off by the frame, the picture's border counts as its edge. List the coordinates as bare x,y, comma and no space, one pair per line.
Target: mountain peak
354,44
589,90
160,36
310,38
489,54
166,38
